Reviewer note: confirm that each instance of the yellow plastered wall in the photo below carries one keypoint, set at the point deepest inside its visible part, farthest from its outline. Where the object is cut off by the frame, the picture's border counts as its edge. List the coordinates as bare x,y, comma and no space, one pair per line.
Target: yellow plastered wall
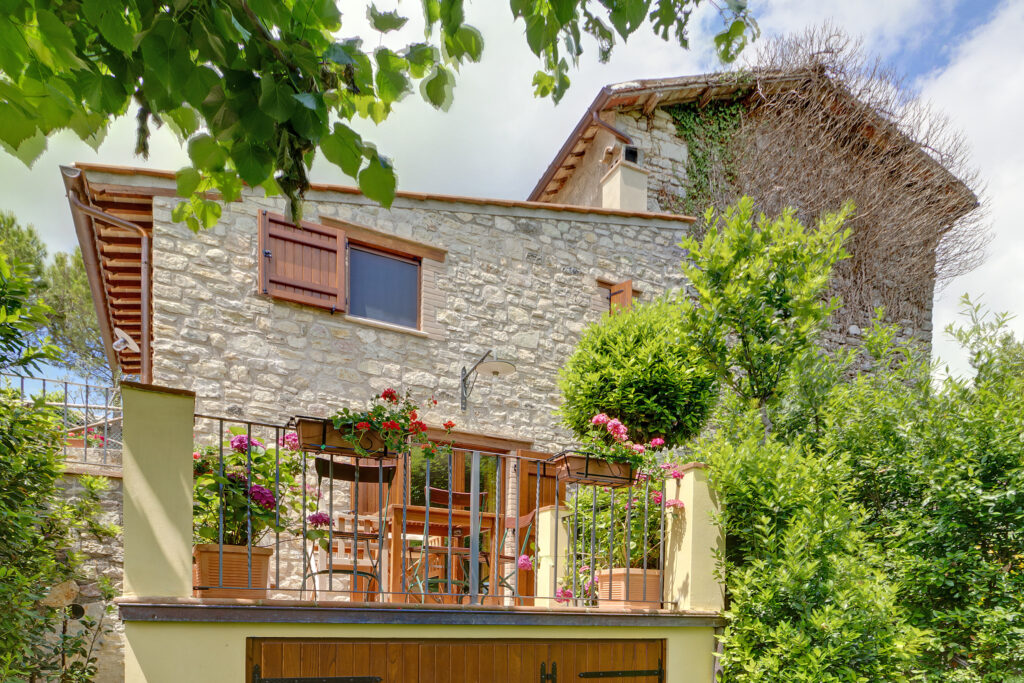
170,652
692,539
157,491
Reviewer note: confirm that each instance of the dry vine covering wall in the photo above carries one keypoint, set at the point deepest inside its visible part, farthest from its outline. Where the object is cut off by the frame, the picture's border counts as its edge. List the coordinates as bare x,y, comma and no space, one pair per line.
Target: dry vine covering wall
849,130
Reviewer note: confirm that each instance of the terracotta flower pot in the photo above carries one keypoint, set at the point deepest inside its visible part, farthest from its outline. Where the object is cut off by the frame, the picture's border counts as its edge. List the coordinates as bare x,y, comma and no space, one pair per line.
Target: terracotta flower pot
587,469
206,571
320,436
616,599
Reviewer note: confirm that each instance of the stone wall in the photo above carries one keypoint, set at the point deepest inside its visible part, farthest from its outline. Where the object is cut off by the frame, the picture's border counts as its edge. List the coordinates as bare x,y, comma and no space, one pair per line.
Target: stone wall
519,280
102,558
665,156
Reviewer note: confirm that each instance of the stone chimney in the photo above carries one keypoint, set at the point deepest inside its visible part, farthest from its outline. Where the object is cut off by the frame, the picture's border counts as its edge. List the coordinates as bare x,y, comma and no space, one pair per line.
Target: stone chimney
624,186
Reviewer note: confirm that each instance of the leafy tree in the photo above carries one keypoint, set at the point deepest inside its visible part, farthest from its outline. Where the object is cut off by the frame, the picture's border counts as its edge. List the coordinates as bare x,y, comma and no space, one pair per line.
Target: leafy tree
72,323
70,320
22,244
256,87
37,525
759,289
640,367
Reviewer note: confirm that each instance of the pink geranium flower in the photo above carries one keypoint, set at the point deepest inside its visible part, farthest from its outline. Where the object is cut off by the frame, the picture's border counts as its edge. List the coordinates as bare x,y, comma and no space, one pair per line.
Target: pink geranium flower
674,503
656,497
638,448
525,563
600,419
290,440
563,595
657,442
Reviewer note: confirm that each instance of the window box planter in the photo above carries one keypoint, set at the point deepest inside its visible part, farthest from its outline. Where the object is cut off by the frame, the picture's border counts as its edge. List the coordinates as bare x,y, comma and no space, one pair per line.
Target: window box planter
318,435
617,580
206,571
580,467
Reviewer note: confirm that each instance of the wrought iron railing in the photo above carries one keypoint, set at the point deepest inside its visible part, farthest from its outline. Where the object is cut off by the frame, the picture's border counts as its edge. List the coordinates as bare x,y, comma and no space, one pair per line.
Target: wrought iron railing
90,415
468,527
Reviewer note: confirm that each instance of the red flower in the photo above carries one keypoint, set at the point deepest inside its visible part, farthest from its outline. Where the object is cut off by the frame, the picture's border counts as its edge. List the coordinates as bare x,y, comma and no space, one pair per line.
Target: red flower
362,426
391,424
449,425
389,394
433,400
413,415
416,427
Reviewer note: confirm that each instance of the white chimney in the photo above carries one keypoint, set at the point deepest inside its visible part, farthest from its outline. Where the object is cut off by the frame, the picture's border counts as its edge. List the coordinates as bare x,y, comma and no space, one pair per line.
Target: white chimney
624,186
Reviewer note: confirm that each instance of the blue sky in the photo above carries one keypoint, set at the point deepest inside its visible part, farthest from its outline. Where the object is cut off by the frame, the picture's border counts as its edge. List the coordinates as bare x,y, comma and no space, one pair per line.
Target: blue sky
963,56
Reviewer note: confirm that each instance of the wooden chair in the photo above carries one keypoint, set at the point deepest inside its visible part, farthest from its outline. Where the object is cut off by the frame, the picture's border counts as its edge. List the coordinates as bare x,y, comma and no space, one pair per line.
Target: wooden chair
522,524
440,576
356,542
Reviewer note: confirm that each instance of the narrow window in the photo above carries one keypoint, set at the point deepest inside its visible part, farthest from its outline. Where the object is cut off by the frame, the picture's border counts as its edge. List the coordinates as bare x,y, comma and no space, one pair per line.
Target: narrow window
384,287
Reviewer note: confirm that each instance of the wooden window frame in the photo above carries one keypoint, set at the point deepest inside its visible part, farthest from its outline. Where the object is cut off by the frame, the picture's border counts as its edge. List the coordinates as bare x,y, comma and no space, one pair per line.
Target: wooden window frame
389,253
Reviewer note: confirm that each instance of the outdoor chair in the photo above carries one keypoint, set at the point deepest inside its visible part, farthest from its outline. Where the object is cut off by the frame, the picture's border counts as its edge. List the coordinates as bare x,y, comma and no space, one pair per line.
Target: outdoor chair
357,541
442,577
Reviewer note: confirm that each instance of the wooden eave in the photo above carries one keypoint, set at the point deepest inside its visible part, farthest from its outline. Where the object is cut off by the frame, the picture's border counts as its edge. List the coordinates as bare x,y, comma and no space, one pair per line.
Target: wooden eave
116,266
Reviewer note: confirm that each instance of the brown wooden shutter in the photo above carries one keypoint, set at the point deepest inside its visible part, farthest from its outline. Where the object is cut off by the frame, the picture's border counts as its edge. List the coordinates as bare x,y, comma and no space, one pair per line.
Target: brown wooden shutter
621,296
304,264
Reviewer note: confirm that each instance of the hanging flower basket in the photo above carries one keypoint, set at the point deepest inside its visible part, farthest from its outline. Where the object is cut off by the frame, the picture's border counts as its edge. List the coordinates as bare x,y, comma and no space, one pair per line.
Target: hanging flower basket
318,435
581,467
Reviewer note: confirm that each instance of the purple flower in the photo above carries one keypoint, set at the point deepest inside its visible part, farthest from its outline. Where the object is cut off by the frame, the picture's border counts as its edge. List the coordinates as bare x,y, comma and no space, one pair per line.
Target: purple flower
563,595
290,440
525,563
237,477
241,443
319,520
262,497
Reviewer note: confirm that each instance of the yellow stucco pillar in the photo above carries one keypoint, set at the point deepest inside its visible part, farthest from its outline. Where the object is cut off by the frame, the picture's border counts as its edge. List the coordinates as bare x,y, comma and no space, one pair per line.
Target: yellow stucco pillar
157,463
692,539
552,543
624,187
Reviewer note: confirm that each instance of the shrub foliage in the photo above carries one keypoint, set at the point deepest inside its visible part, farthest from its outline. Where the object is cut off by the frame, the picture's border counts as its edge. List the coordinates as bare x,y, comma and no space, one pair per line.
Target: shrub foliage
638,366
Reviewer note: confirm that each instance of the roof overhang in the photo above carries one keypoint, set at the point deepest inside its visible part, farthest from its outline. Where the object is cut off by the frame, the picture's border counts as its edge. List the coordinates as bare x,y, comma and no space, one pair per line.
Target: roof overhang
114,225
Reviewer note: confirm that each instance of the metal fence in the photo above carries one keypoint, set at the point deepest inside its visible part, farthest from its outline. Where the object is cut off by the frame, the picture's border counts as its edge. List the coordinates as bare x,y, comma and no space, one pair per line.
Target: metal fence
90,415
273,520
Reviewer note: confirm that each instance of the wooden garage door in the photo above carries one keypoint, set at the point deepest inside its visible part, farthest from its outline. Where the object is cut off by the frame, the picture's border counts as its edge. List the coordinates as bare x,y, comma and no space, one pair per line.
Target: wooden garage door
277,660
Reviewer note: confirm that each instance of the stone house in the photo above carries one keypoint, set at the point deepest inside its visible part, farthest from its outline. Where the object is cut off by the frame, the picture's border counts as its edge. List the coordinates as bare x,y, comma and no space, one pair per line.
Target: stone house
261,320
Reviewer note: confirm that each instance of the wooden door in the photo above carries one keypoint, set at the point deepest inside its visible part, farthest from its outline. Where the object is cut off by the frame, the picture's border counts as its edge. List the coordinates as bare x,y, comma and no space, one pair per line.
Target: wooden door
455,661
534,497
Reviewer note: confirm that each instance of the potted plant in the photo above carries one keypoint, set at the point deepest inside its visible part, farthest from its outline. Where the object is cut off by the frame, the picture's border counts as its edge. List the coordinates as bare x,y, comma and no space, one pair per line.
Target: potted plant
236,503
390,424
622,568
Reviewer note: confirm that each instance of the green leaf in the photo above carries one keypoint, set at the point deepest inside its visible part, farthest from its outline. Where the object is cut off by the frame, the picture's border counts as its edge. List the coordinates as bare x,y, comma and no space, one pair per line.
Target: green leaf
343,148
439,88
184,121
109,17
384,21
452,15
206,153
392,84
59,39
338,54
15,127
254,162
421,58
276,99
466,43
187,180
377,181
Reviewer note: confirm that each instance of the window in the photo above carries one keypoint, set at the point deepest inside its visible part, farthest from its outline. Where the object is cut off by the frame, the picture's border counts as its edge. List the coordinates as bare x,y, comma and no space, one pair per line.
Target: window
383,286
348,268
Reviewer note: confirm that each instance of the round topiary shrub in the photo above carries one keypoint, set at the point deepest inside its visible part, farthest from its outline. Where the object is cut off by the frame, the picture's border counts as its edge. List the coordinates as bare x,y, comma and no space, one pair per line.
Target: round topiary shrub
639,367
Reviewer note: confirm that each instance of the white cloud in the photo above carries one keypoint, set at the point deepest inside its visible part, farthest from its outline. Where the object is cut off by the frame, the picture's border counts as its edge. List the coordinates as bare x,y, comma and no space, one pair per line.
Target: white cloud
982,92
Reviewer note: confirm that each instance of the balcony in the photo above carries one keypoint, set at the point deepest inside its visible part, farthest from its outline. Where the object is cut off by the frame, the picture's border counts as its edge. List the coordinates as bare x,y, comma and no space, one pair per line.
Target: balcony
261,521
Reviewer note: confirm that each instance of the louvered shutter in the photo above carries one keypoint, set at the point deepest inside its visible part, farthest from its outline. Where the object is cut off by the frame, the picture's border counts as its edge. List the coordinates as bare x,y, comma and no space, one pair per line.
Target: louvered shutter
621,296
304,264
